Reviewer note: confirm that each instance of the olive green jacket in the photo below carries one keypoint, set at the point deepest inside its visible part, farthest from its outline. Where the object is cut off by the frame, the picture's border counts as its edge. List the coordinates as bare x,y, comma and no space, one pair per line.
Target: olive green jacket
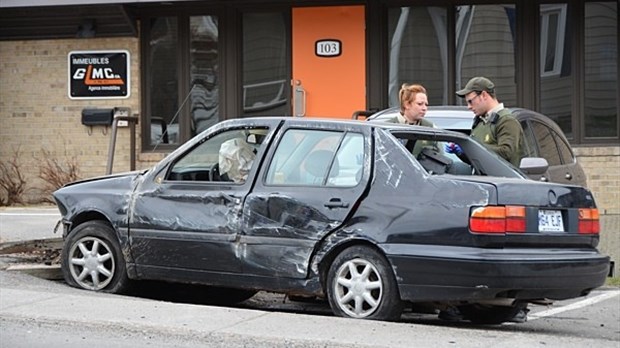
502,133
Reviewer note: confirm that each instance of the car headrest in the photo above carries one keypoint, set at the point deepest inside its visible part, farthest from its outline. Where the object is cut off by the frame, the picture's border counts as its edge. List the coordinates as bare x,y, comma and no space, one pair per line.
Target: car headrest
317,163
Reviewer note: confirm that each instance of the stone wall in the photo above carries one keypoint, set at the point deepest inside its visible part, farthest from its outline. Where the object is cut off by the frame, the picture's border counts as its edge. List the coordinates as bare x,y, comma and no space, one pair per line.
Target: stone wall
38,117
602,167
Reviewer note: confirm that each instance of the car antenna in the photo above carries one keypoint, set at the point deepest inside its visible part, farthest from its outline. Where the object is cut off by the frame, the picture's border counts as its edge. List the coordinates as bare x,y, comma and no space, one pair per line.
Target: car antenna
174,117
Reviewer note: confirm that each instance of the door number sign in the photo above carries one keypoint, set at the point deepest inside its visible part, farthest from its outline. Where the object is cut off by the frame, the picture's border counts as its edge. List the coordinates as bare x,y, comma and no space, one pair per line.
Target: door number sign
328,48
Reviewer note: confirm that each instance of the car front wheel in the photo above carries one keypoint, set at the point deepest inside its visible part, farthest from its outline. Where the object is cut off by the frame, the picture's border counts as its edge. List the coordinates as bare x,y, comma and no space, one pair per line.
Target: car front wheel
92,259
361,284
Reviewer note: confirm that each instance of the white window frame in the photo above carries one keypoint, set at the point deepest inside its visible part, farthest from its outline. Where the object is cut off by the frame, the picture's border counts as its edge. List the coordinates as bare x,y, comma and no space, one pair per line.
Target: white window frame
546,11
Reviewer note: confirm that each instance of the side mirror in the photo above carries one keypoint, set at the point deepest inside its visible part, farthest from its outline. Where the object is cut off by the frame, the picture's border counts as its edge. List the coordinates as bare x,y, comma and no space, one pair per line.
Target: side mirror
534,165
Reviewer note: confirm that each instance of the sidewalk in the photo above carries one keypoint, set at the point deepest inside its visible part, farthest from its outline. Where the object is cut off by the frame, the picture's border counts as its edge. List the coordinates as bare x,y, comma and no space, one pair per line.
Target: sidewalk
28,223
54,307
185,325
28,243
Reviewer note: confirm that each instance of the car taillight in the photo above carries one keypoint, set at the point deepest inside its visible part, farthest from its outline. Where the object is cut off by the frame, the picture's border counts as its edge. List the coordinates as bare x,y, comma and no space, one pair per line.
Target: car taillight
497,219
589,221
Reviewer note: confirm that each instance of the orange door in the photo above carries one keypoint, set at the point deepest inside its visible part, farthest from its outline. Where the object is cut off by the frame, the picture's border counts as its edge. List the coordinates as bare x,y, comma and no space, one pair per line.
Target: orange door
329,61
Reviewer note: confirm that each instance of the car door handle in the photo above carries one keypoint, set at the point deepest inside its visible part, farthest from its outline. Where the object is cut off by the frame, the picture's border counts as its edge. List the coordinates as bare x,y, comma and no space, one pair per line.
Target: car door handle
336,203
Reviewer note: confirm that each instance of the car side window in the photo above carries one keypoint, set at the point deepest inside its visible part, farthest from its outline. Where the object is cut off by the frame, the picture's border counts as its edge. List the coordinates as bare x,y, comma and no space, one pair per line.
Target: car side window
227,156
546,144
565,152
317,158
350,159
530,143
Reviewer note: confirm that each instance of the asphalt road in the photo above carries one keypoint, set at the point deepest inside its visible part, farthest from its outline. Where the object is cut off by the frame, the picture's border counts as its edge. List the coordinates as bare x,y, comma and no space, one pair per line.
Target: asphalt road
40,313
18,223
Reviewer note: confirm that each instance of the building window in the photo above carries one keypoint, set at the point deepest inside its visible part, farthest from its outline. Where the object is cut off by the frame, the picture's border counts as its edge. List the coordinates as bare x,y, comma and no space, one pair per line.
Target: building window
266,83
203,73
556,77
552,30
485,46
182,78
162,81
601,70
417,38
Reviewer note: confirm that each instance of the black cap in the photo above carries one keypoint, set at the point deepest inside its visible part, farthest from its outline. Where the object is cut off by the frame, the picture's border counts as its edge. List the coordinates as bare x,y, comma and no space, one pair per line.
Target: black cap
477,84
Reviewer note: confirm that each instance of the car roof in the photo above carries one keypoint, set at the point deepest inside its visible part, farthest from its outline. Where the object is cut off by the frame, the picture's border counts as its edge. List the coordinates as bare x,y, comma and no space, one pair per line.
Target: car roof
460,118
445,116
335,121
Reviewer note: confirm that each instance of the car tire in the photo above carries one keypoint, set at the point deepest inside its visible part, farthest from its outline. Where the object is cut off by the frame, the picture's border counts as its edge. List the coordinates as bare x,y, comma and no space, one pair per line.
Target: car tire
490,315
361,285
91,259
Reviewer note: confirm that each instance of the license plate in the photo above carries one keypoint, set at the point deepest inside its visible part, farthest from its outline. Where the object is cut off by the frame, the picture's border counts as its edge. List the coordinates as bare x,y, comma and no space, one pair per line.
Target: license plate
550,221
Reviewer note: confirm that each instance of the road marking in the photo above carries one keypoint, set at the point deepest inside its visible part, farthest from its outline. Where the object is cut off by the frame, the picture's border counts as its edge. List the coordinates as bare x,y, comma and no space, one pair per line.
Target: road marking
580,304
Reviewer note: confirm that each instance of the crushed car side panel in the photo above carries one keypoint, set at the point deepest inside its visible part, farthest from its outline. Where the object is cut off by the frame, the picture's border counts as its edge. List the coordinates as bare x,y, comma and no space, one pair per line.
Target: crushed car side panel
288,211
105,198
420,221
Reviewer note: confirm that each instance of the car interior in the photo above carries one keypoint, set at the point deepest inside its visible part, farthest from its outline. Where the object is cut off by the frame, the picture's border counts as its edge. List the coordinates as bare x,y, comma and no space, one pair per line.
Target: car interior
317,158
225,157
433,157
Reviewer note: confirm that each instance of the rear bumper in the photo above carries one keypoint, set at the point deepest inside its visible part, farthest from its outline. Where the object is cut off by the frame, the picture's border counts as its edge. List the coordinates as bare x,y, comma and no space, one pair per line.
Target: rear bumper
448,273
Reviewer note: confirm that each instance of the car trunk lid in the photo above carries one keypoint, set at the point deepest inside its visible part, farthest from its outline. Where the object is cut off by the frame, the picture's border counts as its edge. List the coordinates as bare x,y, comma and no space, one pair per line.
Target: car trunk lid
531,213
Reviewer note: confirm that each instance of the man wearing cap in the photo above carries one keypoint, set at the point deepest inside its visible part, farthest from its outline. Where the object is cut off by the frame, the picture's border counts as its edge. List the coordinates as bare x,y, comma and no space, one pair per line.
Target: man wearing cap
494,126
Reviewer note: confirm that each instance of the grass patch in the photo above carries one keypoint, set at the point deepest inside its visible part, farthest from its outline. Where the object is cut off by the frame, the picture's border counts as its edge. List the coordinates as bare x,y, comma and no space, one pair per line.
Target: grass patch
613,281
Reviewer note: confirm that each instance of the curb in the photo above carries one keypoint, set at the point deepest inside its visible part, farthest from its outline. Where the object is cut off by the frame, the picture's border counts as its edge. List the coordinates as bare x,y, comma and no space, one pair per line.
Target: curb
34,257
20,246
51,272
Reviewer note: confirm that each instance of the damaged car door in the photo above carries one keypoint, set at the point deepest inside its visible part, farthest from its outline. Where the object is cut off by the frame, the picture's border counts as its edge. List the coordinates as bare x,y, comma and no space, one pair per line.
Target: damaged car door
311,182
188,215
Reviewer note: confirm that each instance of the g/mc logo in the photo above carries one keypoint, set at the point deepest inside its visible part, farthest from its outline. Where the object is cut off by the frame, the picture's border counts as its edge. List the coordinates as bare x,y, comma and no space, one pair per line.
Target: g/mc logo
99,74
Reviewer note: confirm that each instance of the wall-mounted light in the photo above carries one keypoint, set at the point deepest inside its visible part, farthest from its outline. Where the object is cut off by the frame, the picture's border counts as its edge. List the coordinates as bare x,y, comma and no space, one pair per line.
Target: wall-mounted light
86,29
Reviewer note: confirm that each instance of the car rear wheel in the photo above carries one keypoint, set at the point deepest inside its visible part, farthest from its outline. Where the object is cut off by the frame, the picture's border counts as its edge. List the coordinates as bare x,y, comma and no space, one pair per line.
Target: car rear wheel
490,315
92,259
361,284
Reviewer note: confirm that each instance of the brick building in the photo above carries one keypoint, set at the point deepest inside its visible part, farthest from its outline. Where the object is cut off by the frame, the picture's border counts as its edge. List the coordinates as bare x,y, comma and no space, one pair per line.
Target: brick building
193,63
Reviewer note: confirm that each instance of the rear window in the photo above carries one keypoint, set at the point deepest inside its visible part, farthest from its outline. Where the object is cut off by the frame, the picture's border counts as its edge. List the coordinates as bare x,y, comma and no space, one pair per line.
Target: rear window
451,123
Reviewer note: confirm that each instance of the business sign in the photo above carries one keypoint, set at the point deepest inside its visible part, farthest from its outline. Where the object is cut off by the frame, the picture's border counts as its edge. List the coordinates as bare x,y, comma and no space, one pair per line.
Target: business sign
99,74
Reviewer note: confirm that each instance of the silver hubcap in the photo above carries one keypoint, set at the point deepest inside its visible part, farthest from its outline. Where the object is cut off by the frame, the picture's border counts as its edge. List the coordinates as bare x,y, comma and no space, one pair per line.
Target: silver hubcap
91,263
358,288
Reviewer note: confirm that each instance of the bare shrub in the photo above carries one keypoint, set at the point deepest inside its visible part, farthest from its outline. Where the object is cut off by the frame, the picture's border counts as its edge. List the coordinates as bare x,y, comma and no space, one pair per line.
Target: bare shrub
12,182
55,173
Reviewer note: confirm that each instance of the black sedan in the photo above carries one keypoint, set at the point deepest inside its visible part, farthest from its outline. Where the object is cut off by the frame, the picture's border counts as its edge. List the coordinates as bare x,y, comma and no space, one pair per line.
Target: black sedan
370,216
